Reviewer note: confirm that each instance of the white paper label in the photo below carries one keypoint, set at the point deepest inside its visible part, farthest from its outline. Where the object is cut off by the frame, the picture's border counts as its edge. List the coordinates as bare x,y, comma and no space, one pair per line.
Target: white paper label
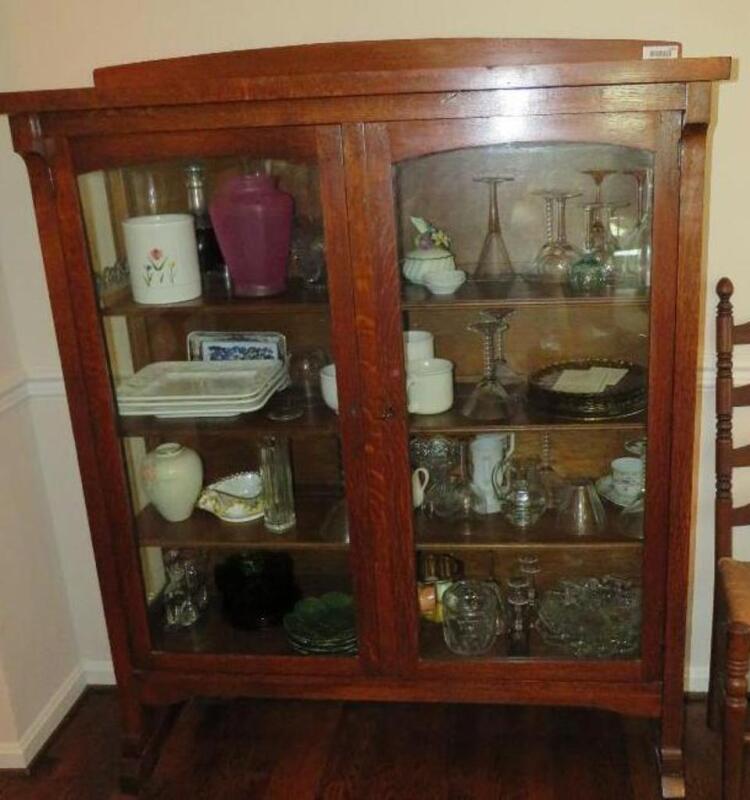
660,51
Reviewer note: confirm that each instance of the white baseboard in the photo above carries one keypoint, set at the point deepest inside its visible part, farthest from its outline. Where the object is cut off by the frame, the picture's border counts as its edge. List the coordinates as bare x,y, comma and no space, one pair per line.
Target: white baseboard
98,673
696,679
18,755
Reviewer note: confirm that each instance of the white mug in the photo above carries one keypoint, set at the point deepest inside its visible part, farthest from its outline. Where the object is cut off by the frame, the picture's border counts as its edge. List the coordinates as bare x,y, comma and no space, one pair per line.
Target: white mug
418,344
162,258
429,385
328,387
627,476
419,479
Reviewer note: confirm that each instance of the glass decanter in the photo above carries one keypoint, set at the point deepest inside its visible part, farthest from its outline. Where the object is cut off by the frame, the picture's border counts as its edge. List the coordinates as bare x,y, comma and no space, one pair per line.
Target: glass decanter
556,256
494,262
497,392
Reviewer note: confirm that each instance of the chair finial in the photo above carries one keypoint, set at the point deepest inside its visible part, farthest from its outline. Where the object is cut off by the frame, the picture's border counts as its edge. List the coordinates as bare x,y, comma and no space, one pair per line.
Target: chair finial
724,288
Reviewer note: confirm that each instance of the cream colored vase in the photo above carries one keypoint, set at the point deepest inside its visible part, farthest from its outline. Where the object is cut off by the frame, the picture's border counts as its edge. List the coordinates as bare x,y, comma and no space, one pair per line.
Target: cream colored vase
172,477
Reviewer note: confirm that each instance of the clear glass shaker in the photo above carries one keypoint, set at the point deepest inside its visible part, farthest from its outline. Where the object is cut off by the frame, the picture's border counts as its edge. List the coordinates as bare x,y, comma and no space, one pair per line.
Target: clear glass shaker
470,617
278,491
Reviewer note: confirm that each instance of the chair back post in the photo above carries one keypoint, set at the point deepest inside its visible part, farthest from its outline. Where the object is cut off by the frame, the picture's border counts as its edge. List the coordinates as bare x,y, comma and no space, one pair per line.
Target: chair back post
724,447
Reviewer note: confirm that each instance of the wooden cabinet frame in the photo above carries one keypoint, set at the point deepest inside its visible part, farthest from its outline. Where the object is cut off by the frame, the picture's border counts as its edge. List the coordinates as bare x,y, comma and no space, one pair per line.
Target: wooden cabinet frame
357,109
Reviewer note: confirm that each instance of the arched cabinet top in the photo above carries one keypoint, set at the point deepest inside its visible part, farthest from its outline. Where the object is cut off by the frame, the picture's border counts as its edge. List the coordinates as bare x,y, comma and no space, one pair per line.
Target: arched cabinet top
346,69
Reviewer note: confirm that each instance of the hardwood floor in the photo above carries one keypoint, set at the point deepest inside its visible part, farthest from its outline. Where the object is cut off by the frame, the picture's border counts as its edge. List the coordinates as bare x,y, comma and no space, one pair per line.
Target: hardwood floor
274,750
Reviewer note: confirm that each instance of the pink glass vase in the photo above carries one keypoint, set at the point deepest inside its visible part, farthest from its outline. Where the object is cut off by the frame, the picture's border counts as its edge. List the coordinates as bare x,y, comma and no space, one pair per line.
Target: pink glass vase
253,223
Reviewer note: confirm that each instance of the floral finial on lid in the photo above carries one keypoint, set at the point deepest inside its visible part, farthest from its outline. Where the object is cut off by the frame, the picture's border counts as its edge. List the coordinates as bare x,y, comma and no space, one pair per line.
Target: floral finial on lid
429,236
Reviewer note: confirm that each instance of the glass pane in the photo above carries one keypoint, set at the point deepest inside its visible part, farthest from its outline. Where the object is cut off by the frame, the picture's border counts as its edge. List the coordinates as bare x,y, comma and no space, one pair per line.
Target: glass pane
211,277
525,304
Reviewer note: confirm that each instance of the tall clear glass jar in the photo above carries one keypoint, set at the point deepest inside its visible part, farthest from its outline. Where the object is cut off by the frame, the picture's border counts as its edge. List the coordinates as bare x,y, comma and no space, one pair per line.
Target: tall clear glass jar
278,492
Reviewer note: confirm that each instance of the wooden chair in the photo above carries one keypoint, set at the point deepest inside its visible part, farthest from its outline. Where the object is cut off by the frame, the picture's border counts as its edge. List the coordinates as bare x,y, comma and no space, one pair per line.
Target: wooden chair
730,650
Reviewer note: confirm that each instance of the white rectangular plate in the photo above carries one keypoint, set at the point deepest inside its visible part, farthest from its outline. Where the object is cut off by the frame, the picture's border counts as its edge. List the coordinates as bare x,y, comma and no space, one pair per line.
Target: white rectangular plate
180,381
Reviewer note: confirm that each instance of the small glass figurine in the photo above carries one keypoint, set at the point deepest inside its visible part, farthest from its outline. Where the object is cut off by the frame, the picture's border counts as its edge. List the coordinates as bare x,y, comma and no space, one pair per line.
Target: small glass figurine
186,594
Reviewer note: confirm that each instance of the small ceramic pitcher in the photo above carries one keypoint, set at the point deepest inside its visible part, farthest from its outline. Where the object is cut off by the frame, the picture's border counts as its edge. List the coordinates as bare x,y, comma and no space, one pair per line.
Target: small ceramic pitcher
419,480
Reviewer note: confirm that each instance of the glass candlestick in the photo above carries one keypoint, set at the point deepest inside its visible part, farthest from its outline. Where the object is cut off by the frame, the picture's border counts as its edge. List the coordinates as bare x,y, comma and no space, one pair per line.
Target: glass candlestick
554,484
494,262
493,397
519,602
529,567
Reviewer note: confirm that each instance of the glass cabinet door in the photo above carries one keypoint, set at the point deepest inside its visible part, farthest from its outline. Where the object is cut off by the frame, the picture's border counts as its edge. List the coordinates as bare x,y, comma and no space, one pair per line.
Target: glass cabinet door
525,274
213,275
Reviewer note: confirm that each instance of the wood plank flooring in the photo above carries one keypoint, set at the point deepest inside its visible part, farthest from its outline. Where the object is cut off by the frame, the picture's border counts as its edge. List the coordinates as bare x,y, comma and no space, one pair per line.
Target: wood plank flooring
279,750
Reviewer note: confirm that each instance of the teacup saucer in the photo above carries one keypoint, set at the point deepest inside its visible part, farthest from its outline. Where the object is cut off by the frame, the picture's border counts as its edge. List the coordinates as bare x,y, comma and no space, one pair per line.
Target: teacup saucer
606,488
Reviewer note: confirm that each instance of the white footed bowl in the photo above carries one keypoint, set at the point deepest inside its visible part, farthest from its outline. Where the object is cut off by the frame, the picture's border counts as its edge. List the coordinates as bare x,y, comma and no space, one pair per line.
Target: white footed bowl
418,264
445,282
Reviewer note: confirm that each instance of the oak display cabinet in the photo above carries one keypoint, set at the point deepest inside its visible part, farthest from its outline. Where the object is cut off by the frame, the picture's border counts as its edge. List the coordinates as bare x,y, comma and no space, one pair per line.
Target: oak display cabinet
365,136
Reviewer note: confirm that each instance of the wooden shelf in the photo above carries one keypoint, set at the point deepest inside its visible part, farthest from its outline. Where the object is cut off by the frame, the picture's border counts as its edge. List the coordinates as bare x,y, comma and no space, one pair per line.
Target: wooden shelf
452,422
297,299
494,532
491,294
321,525
530,647
214,634
317,421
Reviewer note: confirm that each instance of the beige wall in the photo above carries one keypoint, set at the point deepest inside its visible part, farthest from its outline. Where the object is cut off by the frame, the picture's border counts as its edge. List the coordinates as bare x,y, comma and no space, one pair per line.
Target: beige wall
75,36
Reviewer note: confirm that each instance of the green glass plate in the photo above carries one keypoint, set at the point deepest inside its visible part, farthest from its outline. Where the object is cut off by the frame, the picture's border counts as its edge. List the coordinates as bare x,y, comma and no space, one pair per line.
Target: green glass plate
325,623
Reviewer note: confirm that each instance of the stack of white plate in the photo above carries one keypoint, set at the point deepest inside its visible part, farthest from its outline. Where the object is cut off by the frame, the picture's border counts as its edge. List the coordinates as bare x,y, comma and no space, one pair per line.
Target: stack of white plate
201,388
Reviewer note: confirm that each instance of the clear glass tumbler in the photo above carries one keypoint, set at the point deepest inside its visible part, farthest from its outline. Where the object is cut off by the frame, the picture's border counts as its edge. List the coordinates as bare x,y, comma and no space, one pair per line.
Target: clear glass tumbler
278,491
470,617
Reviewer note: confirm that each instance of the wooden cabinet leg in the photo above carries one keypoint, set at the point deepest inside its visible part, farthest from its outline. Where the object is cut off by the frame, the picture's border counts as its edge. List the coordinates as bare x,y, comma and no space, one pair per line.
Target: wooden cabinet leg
735,710
672,770
144,731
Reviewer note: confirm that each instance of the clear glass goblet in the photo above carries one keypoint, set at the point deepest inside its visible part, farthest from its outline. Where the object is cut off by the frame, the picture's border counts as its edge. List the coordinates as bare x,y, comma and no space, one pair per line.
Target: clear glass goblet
494,262
497,392
557,254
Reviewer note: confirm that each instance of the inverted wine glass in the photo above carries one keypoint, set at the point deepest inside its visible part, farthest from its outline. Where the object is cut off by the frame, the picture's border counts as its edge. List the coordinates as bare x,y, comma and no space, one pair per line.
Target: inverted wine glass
557,254
494,262
496,393
599,227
